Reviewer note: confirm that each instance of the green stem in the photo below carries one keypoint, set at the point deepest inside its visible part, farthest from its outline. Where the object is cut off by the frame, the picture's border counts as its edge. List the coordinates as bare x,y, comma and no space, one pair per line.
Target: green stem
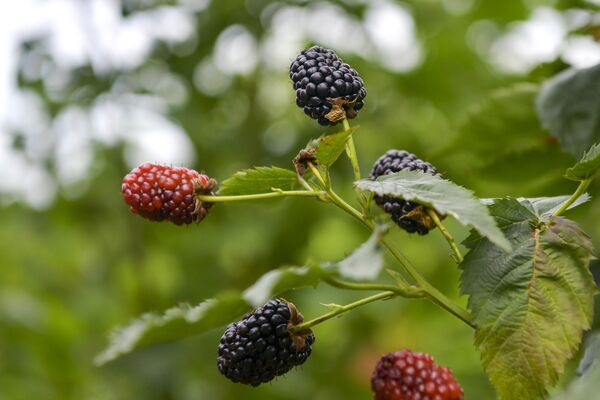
341,310
352,156
449,238
583,185
258,196
432,293
403,291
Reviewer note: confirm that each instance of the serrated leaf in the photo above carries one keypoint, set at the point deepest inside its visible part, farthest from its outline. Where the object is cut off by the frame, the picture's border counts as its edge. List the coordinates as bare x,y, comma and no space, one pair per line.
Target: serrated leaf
444,196
184,320
284,279
176,323
531,305
544,206
587,167
502,124
258,180
568,107
329,148
366,261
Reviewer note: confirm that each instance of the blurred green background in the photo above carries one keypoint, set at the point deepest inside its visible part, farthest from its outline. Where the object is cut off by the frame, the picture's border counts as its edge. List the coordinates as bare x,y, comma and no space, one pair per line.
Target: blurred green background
90,89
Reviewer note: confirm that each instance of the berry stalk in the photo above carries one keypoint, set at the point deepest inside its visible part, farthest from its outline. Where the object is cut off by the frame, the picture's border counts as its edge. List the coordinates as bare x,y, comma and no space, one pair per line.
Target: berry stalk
449,238
343,309
258,196
583,185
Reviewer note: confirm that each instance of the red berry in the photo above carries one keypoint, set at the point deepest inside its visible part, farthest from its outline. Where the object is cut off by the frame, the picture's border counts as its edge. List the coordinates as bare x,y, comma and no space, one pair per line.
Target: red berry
404,375
158,192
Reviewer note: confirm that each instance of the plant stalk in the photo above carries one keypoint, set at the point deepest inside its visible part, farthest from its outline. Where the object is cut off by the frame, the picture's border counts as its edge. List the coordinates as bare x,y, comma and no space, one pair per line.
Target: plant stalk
449,238
583,185
341,310
258,196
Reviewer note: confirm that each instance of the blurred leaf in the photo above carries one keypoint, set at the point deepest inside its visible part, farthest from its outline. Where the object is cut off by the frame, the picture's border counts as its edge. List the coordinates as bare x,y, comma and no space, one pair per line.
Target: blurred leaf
329,148
587,166
568,107
258,180
176,323
587,386
442,195
504,123
531,305
283,279
366,261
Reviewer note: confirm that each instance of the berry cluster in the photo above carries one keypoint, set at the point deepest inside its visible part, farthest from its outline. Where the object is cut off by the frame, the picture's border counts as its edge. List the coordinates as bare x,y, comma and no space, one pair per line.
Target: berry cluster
260,346
404,375
160,192
323,82
404,213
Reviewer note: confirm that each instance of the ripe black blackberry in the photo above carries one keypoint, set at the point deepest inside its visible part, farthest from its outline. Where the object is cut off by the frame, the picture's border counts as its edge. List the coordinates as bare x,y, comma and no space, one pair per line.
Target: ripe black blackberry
260,346
406,214
326,88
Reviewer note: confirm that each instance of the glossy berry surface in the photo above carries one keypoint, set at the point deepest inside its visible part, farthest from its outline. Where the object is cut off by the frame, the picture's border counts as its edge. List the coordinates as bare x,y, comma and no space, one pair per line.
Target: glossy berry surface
404,375
320,78
398,209
260,346
160,192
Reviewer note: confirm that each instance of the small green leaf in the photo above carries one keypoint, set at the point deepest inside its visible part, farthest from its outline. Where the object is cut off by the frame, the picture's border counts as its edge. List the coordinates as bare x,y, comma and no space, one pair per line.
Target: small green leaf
258,180
176,323
444,196
587,167
531,305
284,279
366,261
329,148
544,206
568,106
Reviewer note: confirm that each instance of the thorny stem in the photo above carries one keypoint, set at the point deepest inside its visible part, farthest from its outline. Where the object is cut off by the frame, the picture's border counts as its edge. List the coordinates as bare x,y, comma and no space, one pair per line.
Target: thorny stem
449,238
342,309
258,196
583,185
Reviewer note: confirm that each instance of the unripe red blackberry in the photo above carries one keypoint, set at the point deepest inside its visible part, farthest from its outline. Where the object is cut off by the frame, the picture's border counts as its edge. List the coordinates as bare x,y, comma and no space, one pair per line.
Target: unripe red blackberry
260,346
326,88
406,214
160,192
404,375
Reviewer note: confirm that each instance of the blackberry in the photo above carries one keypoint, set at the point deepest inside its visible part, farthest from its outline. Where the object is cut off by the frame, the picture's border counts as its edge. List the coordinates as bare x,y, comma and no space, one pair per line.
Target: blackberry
159,192
404,375
326,88
406,214
260,346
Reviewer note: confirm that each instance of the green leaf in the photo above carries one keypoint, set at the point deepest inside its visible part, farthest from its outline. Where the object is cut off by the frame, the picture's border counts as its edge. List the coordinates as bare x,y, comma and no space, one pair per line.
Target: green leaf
258,180
568,106
329,148
544,206
502,124
176,323
365,262
284,279
587,167
184,320
444,196
587,386
531,305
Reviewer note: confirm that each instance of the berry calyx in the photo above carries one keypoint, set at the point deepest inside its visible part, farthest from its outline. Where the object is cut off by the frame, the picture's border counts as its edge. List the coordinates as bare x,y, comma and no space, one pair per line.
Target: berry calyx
260,346
161,192
404,375
327,89
408,215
